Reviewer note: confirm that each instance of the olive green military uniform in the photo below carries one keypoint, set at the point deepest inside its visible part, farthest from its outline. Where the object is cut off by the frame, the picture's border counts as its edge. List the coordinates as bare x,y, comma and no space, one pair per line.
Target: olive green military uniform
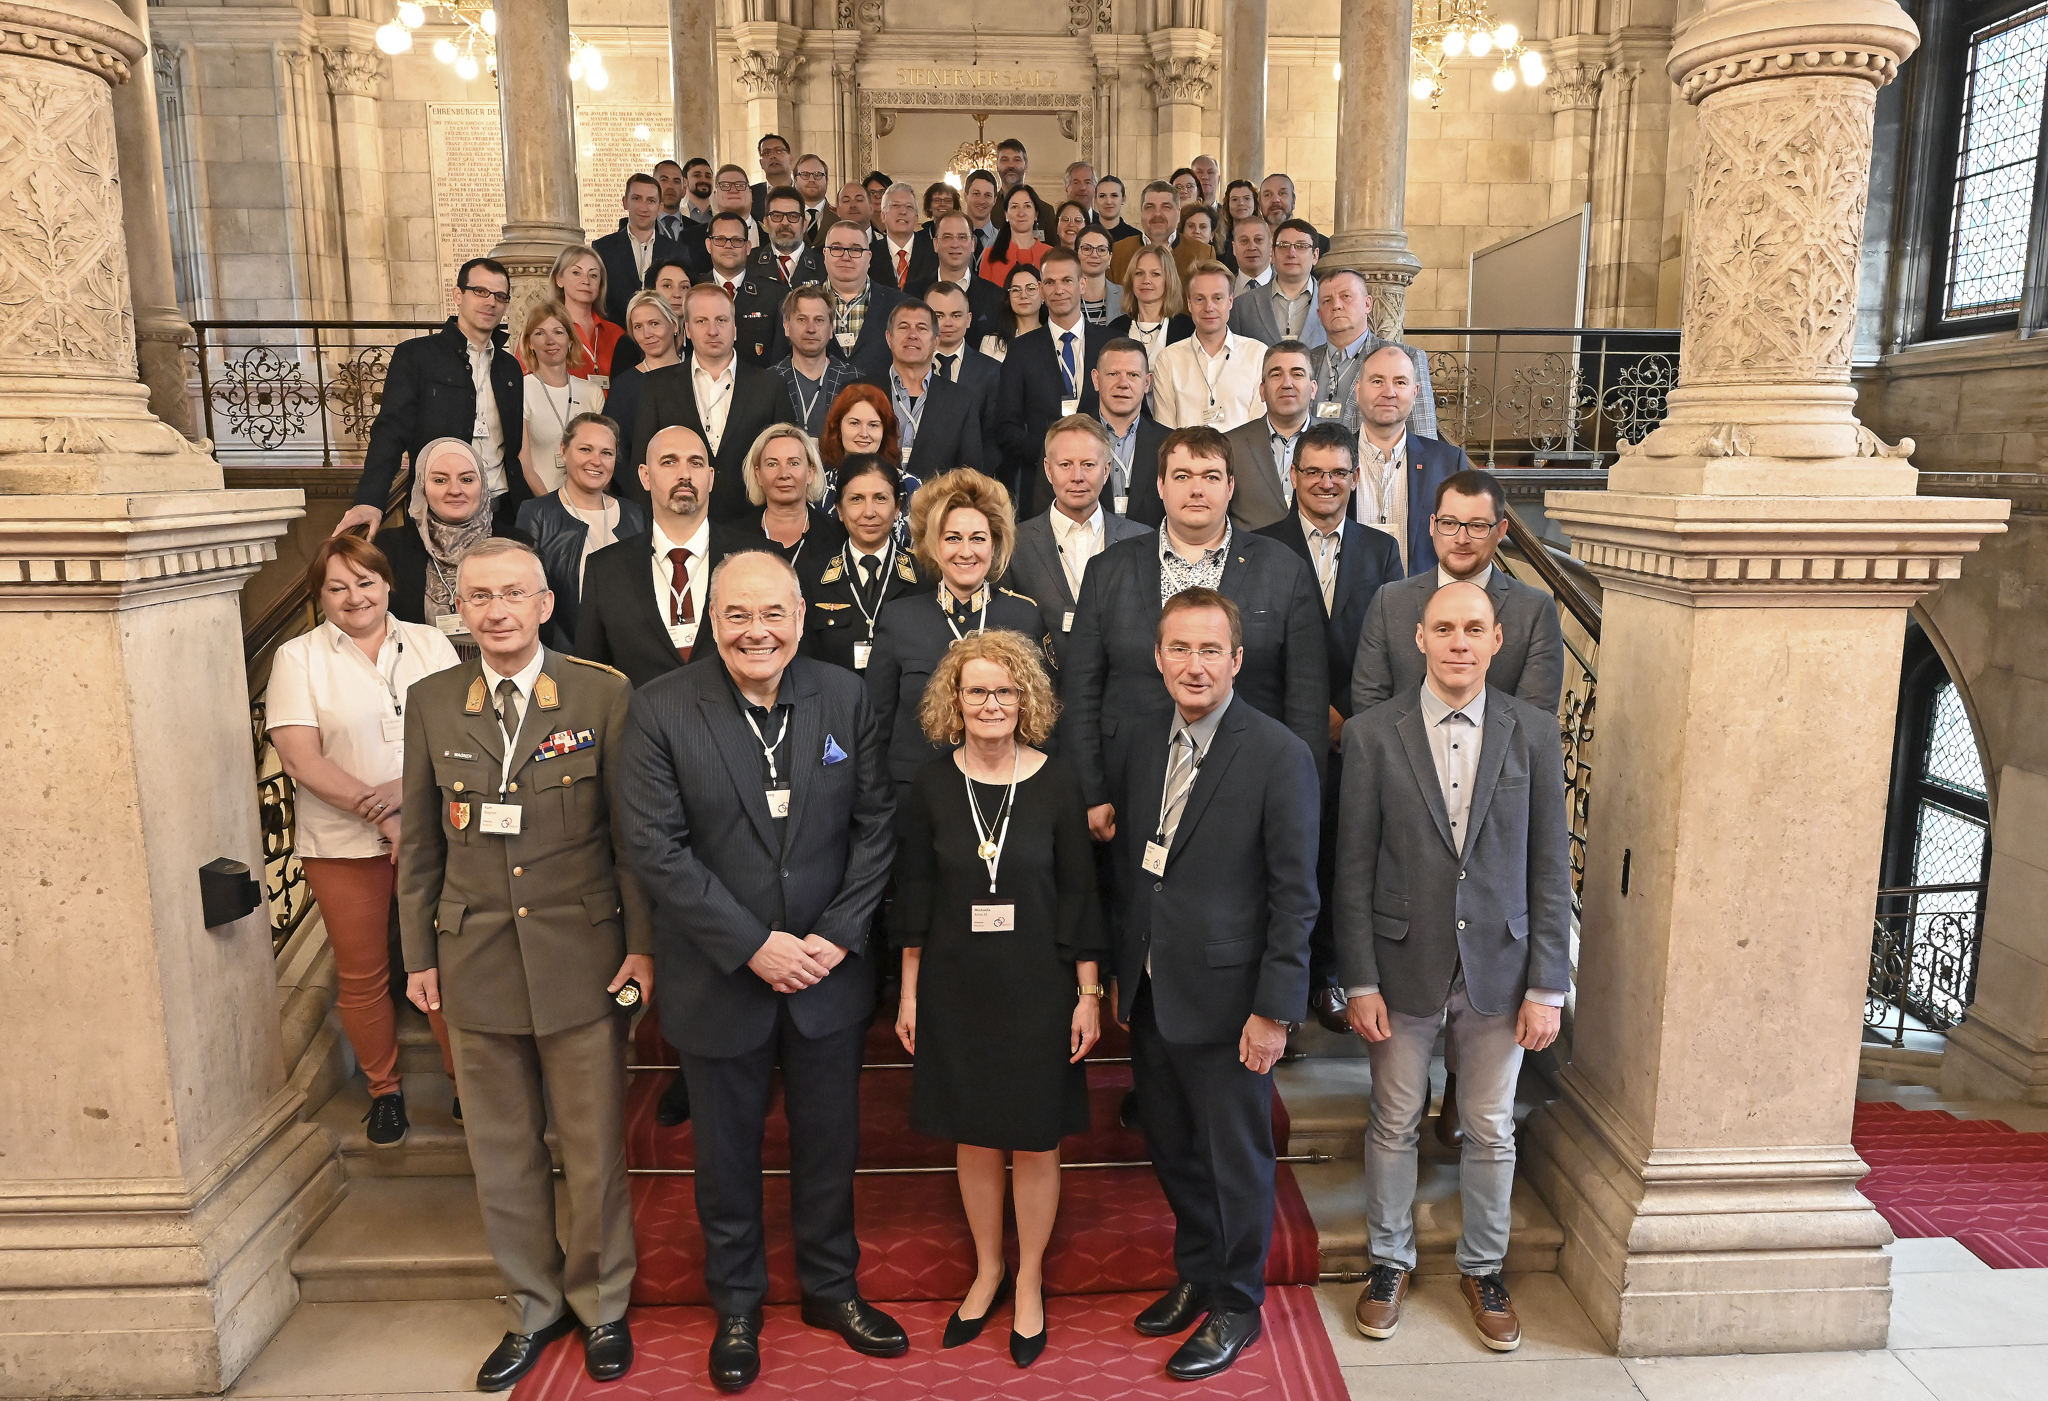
526,931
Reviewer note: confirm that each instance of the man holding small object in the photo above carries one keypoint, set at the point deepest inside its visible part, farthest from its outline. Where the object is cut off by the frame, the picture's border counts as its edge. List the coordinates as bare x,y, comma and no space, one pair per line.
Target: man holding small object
520,929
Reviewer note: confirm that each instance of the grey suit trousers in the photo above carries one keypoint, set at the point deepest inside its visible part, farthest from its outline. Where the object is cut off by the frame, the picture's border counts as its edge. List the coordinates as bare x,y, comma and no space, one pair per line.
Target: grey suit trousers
506,1082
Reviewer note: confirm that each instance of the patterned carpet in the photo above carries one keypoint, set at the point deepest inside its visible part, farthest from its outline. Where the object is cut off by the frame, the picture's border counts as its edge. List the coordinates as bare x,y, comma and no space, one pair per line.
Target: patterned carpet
1977,1180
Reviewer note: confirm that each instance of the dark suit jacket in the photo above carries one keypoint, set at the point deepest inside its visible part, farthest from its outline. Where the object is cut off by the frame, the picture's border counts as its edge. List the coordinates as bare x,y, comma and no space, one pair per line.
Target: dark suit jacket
429,393
760,400
1258,500
984,301
620,622
1145,507
1410,907
621,276
924,261
910,638
1033,388
870,354
1529,664
1368,560
982,376
807,266
1109,680
698,834
1226,927
756,316
558,538
1430,460
1035,571
948,430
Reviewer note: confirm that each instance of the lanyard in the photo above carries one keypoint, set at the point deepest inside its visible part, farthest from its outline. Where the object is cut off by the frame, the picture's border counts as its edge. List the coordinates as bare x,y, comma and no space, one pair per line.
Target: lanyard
768,749
676,595
909,418
1169,801
1389,469
881,578
805,406
505,772
390,679
1222,364
946,612
990,849
723,387
1080,554
604,514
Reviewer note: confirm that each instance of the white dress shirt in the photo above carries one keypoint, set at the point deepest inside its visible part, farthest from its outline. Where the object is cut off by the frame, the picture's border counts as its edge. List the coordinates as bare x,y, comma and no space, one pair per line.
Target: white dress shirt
1078,329
714,398
699,545
1325,549
487,435
548,412
1482,578
1381,500
1190,386
523,682
1078,542
643,251
1246,283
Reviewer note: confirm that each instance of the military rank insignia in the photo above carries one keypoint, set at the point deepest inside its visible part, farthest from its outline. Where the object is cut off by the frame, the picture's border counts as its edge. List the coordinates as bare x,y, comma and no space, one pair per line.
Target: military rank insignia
564,742
458,815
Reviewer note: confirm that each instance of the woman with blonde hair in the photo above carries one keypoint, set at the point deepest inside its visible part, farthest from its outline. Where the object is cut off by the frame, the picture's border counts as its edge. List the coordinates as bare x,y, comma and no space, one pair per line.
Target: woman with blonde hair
553,357
654,330
787,481
1155,314
578,283
995,912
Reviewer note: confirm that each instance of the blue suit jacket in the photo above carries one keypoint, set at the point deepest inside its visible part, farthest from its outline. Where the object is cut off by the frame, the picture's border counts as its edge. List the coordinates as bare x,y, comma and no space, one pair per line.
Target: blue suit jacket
1430,461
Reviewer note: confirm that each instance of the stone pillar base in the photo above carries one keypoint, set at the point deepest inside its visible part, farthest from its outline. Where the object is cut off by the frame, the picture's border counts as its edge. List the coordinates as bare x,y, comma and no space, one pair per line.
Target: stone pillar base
1987,1061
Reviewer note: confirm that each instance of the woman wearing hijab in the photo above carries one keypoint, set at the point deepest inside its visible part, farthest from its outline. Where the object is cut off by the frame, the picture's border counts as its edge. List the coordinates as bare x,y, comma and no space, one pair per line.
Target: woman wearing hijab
450,510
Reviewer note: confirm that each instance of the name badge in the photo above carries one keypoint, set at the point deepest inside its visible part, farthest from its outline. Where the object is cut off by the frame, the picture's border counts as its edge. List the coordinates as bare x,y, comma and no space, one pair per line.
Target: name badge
778,802
861,652
1123,505
1069,407
682,634
1329,410
1155,859
994,919
1067,621
846,340
601,383
499,819
394,729
449,623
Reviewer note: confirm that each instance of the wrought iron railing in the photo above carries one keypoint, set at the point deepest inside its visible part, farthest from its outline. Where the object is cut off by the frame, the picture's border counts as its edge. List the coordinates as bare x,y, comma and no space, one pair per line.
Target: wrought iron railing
1923,958
294,393
1558,397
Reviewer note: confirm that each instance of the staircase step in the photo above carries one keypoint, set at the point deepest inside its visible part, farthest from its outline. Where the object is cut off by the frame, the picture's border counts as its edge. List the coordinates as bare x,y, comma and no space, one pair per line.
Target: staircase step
1335,1193
400,1238
418,1052
435,1146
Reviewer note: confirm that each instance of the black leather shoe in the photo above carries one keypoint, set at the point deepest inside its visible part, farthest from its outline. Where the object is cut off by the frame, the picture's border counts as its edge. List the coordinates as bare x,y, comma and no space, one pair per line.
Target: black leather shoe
1024,1351
516,1353
961,1331
1450,1131
1127,1110
387,1121
867,1329
736,1352
1212,1347
608,1351
1172,1311
455,1109
675,1103
1329,1007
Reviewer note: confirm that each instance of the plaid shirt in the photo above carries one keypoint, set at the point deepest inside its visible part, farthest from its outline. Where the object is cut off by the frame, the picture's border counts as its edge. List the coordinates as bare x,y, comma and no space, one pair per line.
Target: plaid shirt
848,316
1176,574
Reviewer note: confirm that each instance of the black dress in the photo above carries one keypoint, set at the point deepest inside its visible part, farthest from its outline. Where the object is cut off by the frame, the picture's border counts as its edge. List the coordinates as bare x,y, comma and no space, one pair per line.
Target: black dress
995,1011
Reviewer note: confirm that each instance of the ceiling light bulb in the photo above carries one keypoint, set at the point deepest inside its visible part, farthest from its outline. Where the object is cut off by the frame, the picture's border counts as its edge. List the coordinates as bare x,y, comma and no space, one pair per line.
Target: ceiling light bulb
411,15
394,38
1506,36
576,69
1532,68
1480,43
596,77
1503,79
489,20
1337,71
444,51
1422,88
1454,43
465,68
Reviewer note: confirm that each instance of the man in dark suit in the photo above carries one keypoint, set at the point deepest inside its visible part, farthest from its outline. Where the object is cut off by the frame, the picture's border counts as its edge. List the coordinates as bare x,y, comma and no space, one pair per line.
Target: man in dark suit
641,607
430,392
860,305
1351,564
1262,450
1454,898
903,255
953,245
635,250
1122,378
1399,469
1108,680
955,357
724,400
1046,375
1217,864
1054,550
756,300
935,422
760,831
772,151
784,256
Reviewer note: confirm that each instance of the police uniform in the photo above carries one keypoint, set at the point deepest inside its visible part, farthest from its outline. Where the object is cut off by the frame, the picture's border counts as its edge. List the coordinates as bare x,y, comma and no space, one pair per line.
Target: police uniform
756,316
911,636
509,884
839,619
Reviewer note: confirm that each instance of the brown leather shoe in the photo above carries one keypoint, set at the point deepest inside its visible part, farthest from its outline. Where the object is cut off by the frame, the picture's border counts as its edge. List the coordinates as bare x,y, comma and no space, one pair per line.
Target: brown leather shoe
1331,1010
1379,1307
1493,1312
1449,1132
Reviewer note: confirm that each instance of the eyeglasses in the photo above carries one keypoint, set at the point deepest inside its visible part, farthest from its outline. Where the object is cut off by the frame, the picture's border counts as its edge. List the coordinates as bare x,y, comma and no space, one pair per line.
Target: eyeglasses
1338,475
978,696
733,187
834,250
1450,527
483,598
501,298
728,240
776,216
1292,246
1180,652
741,618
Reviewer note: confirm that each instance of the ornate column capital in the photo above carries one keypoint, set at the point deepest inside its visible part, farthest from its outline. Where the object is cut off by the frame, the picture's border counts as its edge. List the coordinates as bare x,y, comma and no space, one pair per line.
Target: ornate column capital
1182,80
351,72
865,16
1751,40
1575,87
768,62
1089,17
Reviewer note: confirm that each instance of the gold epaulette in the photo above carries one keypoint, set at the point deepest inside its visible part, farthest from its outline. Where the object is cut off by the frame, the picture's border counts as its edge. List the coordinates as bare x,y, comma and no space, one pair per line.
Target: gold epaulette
835,570
477,691
1025,597
906,569
585,661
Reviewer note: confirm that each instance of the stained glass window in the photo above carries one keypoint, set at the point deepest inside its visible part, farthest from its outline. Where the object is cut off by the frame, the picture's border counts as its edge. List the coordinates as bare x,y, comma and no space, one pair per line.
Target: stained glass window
1994,192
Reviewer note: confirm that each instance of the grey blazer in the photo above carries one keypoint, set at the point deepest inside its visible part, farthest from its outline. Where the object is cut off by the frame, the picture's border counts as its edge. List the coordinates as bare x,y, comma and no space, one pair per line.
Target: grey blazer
1036,573
1251,314
1409,909
1530,663
1258,500
1340,386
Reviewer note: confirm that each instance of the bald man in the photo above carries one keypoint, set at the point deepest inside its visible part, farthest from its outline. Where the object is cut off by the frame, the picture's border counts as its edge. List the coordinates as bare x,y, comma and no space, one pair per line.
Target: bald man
1453,900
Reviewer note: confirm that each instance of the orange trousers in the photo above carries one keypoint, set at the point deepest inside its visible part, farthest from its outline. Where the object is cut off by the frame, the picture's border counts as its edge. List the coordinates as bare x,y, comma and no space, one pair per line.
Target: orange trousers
354,895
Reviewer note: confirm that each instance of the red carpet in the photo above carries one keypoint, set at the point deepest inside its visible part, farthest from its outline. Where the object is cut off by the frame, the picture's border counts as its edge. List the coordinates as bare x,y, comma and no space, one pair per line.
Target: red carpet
1977,1180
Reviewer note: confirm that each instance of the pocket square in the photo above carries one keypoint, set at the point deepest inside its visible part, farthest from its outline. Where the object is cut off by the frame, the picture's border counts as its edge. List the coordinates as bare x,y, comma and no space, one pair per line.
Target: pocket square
833,753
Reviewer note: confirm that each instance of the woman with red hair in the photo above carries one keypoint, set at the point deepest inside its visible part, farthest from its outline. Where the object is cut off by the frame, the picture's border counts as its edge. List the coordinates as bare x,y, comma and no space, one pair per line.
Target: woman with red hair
862,421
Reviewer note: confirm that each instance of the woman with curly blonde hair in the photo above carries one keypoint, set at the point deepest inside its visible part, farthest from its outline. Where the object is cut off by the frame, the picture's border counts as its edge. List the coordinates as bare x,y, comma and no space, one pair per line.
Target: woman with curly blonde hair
995,912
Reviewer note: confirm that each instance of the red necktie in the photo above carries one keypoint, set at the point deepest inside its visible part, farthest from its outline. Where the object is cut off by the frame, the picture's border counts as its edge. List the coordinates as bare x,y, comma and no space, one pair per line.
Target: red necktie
902,266
730,292
785,265
683,609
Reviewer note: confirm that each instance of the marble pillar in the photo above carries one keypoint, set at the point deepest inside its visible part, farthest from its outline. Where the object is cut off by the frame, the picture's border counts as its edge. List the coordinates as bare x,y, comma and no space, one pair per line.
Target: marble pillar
354,70
1372,156
770,79
1183,75
693,78
1759,552
161,330
536,112
155,1179
1244,92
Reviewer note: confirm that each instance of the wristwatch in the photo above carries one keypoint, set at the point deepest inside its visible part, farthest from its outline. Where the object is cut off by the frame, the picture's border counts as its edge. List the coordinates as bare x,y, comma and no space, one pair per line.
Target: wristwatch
1092,990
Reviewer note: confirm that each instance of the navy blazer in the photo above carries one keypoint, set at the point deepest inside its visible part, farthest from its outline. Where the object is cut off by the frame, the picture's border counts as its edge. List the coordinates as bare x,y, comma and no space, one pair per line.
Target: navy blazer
948,429
1368,559
621,274
1226,927
833,620
698,835
1430,461
1032,390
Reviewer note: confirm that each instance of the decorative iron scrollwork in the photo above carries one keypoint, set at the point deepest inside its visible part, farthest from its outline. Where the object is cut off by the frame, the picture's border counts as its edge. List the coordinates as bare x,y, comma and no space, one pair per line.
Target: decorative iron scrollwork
1548,402
356,392
265,397
1636,403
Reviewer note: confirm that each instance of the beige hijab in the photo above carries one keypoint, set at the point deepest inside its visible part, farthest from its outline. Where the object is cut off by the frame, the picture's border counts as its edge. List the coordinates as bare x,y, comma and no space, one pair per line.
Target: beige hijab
447,541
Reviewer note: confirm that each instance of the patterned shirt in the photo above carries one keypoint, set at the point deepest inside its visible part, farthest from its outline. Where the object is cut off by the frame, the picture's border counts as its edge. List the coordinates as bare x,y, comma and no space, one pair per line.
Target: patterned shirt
849,315
1177,574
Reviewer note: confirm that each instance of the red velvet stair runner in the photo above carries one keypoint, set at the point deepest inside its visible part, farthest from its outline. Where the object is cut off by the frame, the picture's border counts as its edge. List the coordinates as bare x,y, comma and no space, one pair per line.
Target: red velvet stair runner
1977,1180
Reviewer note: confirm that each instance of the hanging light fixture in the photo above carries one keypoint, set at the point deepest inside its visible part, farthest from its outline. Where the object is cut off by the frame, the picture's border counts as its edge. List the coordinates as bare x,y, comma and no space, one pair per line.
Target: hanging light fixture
978,154
1448,29
474,48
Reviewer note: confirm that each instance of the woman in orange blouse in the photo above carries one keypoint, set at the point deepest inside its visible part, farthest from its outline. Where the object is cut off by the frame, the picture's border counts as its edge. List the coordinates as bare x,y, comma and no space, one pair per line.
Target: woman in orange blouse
579,283
1018,245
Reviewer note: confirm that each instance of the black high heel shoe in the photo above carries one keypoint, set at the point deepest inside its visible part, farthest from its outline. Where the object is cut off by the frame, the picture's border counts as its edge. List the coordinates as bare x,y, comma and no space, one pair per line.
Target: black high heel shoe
1024,1351
960,1331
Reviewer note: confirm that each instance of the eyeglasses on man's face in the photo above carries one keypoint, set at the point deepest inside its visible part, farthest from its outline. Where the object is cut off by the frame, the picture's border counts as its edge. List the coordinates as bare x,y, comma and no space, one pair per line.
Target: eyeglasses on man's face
772,617
1340,475
734,187
1450,527
484,598
501,298
1180,652
979,696
728,240
836,250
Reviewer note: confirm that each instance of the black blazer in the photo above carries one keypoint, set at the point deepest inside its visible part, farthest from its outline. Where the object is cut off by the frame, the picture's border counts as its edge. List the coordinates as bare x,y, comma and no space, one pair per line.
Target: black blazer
833,619
1179,326
948,431
760,400
910,637
870,354
1032,390
982,375
558,539
1226,927
620,621
696,831
756,316
984,300
1145,506
1430,460
621,276
1368,559
924,261
1109,680
807,266
429,393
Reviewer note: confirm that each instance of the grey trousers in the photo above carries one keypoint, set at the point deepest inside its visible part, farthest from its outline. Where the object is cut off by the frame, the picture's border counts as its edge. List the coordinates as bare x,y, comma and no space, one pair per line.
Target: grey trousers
1489,1062
513,1087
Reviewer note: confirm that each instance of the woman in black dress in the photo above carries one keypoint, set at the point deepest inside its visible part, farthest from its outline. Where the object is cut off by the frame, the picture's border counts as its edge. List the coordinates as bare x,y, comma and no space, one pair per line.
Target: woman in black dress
995,911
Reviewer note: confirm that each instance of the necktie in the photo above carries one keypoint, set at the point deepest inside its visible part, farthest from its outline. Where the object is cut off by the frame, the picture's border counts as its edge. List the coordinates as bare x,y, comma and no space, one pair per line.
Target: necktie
732,292
683,609
1067,360
946,365
785,265
508,712
902,266
867,575
1179,765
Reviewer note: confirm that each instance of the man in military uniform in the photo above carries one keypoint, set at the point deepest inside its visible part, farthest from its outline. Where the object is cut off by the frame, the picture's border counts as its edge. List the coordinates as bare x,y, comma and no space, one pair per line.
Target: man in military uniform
522,931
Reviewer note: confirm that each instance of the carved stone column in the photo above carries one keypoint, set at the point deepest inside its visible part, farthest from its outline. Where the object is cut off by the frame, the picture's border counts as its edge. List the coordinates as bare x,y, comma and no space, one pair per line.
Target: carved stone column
536,113
1372,156
770,77
353,70
693,77
1183,74
1244,92
1577,63
1759,552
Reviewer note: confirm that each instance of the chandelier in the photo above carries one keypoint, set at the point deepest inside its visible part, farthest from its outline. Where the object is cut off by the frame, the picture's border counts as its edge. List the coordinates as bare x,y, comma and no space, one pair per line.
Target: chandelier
475,48
978,154
1448,29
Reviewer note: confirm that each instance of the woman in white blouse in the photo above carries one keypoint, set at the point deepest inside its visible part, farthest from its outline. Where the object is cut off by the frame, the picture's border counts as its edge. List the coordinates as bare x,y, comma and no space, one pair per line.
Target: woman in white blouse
553,393
335,709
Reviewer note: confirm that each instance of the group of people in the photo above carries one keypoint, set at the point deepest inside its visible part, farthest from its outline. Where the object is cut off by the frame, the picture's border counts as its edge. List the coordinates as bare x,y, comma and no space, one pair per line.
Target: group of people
854,673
